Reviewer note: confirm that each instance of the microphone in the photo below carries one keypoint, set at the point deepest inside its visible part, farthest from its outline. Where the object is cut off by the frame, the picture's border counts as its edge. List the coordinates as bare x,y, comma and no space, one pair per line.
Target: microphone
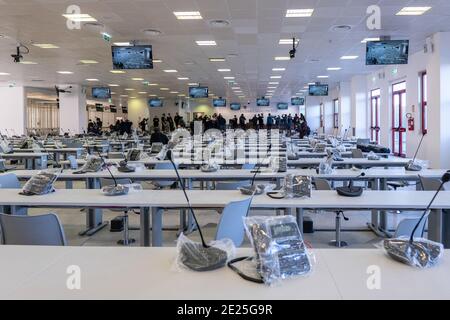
198,256
117,189
258,167
351,190
421,253
412,166
123,165
56,164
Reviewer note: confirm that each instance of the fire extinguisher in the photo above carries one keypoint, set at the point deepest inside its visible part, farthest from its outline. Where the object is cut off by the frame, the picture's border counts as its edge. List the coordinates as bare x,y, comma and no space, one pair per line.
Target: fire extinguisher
411,122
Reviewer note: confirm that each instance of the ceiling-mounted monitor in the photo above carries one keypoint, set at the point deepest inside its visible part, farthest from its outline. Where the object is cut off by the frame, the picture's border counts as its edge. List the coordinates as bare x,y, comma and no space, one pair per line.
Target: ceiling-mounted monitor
155,103
298,101
132,57
113,109
198,92
235,106
387,52
219,103
124,110
262,102
101,93
318,90
99,107
282,106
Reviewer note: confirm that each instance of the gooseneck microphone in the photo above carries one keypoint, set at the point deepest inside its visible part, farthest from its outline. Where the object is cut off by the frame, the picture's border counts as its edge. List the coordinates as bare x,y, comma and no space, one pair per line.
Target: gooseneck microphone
56,165
198,256
107,167
445,179
351,190
412,165
258,167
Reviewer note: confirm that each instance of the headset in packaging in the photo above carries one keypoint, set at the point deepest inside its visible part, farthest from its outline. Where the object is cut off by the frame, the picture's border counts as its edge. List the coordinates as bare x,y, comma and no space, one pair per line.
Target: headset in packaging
41,183
280,252
93,164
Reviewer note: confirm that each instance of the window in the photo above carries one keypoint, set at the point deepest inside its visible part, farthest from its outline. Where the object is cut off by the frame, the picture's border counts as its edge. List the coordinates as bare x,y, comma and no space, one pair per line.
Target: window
423,98
399,119
42,116
336,113
375,99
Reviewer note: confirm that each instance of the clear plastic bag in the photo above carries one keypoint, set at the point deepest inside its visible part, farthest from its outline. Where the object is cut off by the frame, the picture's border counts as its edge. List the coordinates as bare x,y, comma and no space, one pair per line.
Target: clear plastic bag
93,164
121,189
373,156
41,183
297,186
280,250
421,253
325,166
193,256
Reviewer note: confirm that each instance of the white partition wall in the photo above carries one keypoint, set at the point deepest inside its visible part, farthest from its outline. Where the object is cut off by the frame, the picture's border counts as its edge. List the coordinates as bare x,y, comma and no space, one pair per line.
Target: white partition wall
13,110
72,112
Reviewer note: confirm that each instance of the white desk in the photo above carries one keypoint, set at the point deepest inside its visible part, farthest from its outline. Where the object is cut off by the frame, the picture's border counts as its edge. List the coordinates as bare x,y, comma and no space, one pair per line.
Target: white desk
34,160
146,273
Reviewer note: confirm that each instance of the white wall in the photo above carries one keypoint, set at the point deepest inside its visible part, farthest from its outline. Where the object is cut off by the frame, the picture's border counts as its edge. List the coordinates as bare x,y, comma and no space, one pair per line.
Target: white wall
72,110
345,107
13,110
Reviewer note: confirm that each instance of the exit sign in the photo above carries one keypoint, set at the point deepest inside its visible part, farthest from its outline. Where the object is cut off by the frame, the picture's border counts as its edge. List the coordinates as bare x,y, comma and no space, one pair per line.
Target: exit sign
106,37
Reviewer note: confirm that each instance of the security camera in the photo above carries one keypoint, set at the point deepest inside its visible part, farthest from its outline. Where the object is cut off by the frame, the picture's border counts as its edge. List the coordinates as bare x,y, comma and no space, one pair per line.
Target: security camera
17,57
294,49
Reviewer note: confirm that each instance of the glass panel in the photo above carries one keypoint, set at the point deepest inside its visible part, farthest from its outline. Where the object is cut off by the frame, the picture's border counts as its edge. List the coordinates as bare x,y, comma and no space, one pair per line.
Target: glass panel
425,89
399,86
396,142
396,122
403,110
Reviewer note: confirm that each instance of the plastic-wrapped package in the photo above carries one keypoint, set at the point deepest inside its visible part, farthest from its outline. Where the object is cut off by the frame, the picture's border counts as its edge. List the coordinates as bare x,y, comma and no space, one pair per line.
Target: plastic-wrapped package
325,166
373,156
210,167
121,189
41,183
5,147
421,253
193,256
280,250
93,164
297,186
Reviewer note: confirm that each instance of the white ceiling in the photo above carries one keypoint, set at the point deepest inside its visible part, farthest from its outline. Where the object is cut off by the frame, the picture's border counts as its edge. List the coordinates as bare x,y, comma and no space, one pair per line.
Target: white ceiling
255,29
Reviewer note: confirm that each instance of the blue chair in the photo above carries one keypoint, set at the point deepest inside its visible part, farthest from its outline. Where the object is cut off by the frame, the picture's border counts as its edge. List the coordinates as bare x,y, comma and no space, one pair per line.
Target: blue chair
231,224
406,227
248,166
10,181
43,230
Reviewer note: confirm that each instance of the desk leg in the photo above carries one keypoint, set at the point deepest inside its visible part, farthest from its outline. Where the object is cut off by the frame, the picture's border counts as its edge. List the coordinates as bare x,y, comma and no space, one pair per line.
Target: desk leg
94,217
157,235
374,225
383,214
145,227
435,224
300,213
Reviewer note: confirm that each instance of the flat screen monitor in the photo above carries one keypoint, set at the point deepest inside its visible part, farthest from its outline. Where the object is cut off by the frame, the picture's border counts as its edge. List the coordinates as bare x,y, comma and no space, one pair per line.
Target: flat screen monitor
99,107
298,101
219,103
198,92
235,106
387,52
124,110
263,102
282,106
155,103
101,93
318,90
132,57
113,109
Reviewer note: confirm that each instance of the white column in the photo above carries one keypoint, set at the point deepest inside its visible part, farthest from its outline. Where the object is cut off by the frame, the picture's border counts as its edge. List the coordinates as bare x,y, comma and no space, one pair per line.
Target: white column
359,106
437,143
13,110
72,109
345,113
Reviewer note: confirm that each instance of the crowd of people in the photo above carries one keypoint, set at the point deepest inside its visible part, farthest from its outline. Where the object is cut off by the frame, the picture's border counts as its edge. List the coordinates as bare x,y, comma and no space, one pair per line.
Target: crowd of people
167,123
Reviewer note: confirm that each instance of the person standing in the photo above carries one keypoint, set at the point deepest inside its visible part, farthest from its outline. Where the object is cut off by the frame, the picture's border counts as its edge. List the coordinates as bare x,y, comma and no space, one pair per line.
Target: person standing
261,121
177,120
164,124
269,122
242,120
156,122
171,122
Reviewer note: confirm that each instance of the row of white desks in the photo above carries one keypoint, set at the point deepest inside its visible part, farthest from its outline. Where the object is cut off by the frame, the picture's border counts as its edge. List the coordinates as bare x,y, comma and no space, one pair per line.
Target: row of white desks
139,273
152,202
33,160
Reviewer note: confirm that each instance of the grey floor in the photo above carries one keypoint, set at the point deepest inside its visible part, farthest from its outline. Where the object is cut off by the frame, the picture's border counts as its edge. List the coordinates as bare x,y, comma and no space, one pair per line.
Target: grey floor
73,221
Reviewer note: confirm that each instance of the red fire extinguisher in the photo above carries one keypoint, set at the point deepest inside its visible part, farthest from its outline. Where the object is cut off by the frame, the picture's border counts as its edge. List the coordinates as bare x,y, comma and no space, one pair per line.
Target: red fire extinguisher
411,122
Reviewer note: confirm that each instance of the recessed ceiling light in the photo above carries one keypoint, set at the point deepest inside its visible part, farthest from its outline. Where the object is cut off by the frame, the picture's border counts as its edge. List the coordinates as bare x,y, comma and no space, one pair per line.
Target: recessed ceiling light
206,43
113,93
289,41
124,95
4,74
193,84
275,77
334,69
413,11
279,69
152,84
152,32
311,83
323,77
217,59
137,79
236,88
129,89
182,95
142,92
365,40
161,97
299,13
122,44
92,80
274,83
27,62
174,92
45,45
132,97
272,87
306,87
157,60
183,78
152,95
117,71
65,72
164,89
228,78
171,71
188,15
282,58
224,70
79,17
88,61
270,91
113,85
349,57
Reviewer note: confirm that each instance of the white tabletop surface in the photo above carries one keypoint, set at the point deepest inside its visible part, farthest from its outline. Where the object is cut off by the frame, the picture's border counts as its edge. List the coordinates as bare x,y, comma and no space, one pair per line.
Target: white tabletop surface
23,155
148,273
